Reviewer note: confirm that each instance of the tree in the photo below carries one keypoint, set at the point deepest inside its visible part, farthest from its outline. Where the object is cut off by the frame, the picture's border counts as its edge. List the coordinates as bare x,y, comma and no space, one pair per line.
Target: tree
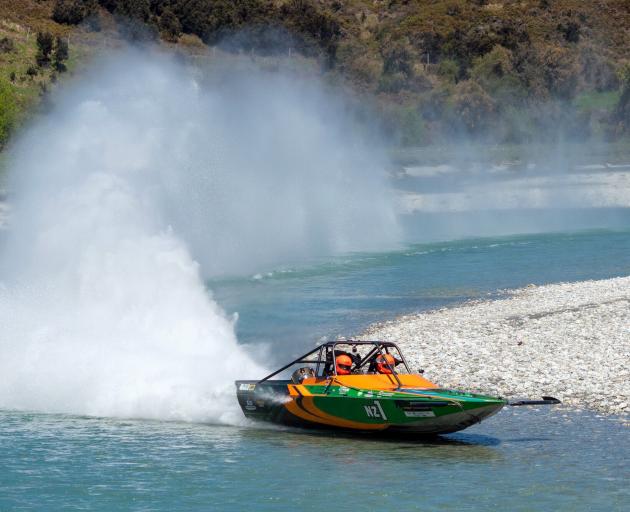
472,106
398,58
61,54
170,25
45,43
495,73
72,12
134,9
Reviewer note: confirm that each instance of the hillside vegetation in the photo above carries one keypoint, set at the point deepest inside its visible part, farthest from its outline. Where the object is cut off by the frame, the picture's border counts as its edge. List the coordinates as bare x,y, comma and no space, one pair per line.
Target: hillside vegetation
436,70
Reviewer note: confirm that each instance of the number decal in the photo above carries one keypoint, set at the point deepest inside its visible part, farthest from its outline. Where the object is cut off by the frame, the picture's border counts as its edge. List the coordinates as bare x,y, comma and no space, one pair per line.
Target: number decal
375,411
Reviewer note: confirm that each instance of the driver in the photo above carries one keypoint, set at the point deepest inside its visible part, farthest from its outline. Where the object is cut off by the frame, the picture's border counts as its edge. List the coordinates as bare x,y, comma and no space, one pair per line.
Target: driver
385,363
343,364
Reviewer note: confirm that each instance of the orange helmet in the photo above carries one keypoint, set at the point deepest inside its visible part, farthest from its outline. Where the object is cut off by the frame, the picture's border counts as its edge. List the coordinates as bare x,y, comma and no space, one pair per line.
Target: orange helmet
343,363
385,363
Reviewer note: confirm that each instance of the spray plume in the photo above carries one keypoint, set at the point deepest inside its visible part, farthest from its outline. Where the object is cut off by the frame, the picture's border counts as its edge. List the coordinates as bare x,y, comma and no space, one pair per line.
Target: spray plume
145,178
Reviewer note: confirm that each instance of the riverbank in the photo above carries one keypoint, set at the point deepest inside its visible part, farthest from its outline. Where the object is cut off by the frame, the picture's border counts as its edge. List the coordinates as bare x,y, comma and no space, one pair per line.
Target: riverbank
569,340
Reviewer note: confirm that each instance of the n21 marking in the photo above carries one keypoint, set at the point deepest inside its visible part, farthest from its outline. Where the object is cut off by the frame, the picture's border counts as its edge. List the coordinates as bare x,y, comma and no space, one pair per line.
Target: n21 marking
375,411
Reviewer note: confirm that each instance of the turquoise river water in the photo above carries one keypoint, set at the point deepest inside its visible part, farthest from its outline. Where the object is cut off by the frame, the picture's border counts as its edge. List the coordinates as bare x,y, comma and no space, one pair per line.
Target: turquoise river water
520,460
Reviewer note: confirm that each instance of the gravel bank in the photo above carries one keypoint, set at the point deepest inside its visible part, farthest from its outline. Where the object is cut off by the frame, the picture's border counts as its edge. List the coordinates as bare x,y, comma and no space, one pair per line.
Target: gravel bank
569,340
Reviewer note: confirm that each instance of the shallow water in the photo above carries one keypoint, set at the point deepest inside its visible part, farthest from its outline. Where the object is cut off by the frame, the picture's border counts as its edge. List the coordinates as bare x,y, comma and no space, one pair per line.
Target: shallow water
293,307
519,460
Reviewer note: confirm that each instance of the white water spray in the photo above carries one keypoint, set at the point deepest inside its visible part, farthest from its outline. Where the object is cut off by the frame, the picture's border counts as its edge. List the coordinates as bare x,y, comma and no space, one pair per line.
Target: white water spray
143,180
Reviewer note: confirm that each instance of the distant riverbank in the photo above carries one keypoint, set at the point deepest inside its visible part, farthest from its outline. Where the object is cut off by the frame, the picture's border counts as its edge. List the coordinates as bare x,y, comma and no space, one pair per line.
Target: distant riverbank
569,340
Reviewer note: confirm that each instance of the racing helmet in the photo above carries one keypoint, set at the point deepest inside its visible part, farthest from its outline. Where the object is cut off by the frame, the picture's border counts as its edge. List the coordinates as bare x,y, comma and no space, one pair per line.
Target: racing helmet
385,363
343,364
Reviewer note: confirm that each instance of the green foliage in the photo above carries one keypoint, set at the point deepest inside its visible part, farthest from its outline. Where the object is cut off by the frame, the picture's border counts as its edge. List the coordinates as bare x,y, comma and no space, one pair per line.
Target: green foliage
7,45
60,54
448,69
465,46
490,69
404,124
360,65
8,111
73,12
597,71
315,25
133,9
594,100
472,106
516,125
45,42
170,25
392,83
398,58
314,30
559,72
495,73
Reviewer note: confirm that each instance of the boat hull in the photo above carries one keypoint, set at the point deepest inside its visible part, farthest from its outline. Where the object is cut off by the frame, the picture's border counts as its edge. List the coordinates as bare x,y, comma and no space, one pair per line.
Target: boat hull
407,410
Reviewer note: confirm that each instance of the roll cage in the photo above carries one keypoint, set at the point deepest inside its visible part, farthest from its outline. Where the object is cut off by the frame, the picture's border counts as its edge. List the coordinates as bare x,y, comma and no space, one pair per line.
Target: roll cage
324,355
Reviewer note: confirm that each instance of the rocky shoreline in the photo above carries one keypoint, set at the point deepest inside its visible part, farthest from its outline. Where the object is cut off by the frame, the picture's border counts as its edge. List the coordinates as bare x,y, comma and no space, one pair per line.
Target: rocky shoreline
568,340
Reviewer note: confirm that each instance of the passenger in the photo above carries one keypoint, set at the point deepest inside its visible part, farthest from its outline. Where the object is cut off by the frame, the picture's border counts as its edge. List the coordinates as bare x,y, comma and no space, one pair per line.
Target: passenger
343,364
385,363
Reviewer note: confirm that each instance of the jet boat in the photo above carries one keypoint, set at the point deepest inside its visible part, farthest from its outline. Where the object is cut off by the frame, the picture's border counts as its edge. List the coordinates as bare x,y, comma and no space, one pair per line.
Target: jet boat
364,386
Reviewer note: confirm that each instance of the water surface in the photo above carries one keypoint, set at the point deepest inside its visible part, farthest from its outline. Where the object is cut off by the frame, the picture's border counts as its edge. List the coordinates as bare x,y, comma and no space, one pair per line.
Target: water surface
291,308
521,460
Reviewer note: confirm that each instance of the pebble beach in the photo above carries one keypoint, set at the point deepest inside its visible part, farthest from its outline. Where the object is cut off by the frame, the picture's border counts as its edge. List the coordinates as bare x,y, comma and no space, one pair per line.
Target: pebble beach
568,340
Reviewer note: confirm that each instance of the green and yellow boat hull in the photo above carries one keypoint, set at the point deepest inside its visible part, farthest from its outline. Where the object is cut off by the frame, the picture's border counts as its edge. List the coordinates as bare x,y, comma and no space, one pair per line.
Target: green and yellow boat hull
365,403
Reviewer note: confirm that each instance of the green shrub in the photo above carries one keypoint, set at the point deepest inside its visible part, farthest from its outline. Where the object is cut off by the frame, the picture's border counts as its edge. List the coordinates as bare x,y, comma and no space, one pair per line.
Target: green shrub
392,83
45,42
8,111
6,45
449,70
472,106
495,73
60,54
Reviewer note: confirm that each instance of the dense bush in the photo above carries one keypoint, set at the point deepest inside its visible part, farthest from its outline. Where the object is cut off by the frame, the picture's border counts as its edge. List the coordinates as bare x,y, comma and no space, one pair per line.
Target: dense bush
45,42
495,73
260,22
170,25
472,105
6,45
60,54
73,12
